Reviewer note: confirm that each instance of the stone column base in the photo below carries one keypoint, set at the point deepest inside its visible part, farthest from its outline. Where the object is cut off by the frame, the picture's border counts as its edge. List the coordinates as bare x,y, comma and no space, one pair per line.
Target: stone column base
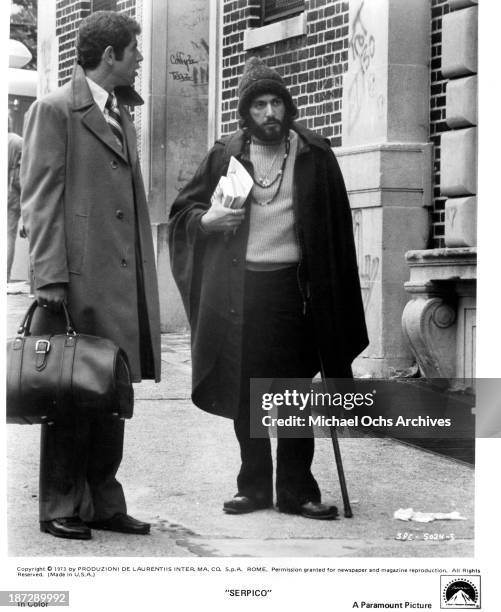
439,321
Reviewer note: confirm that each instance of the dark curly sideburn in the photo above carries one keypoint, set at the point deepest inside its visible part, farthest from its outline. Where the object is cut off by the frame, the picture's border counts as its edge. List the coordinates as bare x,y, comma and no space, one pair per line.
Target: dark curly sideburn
100,30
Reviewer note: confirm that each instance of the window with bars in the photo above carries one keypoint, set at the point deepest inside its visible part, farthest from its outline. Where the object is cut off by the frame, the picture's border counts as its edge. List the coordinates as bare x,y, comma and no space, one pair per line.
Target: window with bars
104,5
274,10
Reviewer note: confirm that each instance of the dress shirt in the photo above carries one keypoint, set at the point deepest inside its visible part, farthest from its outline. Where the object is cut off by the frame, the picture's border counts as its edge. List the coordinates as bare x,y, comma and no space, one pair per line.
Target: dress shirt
99,94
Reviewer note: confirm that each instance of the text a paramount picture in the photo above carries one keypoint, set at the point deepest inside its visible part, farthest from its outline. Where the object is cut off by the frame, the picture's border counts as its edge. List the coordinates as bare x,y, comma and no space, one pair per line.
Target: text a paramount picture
243,364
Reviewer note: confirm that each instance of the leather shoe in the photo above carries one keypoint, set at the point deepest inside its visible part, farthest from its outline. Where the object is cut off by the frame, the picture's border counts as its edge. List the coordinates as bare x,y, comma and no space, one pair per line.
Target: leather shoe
123,523
241,504
317,510
67,527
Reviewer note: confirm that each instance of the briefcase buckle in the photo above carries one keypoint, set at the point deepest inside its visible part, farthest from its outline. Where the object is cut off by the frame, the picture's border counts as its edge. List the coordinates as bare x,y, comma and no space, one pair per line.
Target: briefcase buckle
42,347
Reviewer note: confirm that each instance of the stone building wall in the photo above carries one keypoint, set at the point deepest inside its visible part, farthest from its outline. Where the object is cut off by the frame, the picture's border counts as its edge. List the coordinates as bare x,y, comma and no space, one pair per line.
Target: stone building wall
440,319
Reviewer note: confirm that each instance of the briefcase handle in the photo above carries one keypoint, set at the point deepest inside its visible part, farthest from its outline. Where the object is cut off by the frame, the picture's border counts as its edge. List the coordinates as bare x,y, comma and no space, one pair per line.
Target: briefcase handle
24,328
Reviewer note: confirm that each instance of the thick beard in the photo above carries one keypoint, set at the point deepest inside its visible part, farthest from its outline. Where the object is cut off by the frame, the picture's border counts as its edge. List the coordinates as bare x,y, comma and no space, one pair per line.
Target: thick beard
261,134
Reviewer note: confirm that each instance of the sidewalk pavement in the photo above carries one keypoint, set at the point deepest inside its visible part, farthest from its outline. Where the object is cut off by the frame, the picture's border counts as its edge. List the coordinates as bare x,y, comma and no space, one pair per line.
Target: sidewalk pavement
180,464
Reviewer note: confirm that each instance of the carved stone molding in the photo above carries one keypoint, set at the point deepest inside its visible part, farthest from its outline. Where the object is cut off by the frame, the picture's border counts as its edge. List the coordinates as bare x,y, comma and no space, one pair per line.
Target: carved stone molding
440,281
428,324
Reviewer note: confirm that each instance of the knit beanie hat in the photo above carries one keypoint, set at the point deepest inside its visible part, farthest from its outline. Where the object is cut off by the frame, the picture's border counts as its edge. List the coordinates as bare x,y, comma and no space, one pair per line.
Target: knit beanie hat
259,79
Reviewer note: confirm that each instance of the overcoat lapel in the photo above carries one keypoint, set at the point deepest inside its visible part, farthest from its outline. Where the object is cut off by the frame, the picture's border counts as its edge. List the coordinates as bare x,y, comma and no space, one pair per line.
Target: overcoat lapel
94,120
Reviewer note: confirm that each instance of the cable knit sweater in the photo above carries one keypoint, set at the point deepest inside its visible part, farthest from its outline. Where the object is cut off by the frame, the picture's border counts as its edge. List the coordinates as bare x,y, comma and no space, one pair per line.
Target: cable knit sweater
272,238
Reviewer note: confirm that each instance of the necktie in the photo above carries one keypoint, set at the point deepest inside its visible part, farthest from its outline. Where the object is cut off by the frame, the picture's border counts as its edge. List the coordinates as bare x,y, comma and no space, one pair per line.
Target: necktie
112,116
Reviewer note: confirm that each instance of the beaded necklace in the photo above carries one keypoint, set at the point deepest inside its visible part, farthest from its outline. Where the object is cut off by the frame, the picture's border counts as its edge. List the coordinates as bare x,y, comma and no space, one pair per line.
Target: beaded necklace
266,183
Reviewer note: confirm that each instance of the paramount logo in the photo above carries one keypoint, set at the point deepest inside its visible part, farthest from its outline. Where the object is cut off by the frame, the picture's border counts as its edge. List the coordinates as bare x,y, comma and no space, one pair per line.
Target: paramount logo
460,592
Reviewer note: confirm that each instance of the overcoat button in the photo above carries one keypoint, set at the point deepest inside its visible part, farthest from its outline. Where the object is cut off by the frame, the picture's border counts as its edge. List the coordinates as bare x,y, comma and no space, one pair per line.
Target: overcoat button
119,214
234,261
124,263
233,311
114,164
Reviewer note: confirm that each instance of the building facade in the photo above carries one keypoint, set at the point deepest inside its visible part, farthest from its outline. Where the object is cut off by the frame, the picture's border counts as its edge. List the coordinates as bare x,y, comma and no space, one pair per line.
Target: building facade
391,83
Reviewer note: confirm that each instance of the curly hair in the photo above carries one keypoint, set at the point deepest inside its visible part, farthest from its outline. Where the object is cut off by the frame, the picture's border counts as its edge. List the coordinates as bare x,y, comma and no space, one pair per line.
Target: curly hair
100,30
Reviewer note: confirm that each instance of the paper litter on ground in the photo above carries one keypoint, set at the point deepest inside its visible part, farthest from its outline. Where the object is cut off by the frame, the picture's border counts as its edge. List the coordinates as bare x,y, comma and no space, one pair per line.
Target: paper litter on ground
408,514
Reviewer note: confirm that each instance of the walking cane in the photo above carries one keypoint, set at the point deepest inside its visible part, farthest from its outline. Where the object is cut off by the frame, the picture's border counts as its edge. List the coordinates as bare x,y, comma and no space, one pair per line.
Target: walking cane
337,453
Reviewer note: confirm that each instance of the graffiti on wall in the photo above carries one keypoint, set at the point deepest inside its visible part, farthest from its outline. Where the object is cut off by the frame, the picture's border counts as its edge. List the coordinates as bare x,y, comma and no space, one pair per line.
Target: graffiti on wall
368,265
363,49
190,71
362,43
191,67
450,215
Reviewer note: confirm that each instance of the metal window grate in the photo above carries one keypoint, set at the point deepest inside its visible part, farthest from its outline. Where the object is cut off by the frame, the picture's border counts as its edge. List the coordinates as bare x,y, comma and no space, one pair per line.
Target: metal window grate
273,10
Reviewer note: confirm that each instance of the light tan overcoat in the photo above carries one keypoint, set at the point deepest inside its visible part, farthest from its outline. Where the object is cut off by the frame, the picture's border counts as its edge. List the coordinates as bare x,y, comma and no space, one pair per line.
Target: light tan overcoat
81,200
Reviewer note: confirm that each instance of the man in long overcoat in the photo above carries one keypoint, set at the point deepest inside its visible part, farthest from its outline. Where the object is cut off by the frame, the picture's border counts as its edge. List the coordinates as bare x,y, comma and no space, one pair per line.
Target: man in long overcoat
86,215
271,290
13,195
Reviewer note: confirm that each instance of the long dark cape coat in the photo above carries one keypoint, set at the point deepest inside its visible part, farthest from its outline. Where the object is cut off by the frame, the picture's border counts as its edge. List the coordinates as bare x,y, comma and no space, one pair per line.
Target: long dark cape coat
84,206
209,270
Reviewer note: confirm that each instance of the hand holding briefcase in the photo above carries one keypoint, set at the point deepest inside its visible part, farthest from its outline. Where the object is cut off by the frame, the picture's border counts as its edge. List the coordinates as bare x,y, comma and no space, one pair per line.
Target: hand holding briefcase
49,376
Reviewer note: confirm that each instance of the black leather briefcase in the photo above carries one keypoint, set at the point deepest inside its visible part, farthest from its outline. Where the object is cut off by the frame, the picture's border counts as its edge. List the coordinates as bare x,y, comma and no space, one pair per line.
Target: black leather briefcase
51,376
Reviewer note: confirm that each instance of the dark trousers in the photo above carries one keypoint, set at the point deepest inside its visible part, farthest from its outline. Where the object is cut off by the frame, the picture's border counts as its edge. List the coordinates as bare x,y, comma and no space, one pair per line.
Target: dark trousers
78,465
278,342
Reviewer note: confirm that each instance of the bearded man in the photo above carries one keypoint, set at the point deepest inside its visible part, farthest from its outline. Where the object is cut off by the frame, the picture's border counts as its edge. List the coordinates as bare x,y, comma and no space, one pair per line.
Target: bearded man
270,290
